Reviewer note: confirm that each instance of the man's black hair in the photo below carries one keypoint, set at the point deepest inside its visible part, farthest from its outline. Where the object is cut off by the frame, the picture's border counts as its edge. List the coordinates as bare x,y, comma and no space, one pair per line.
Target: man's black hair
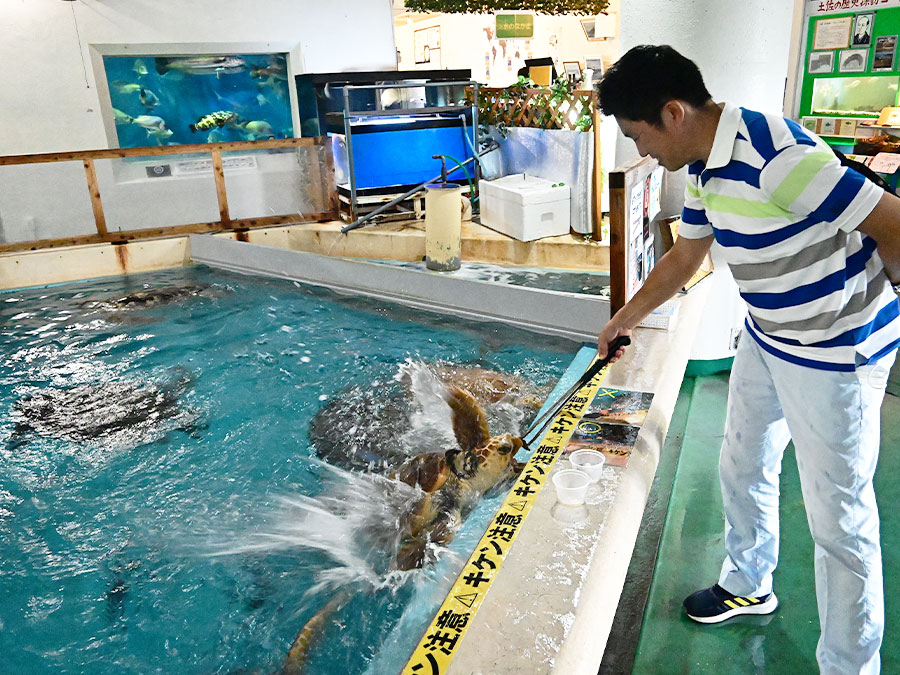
639,84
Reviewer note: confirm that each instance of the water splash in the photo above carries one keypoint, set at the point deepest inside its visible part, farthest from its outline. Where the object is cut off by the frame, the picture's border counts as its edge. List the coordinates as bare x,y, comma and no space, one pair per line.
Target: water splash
430,424
356,523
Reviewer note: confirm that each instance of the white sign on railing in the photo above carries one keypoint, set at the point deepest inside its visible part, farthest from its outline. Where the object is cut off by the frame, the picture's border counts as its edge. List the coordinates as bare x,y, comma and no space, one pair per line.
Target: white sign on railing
192,167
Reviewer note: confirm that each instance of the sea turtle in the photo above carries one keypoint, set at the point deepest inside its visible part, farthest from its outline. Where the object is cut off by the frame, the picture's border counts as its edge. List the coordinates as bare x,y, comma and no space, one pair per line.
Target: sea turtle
369,428
451,484
150,297
114,412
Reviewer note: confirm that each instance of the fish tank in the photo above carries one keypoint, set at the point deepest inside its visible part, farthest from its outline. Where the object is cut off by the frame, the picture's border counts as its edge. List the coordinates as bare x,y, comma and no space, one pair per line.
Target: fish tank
853,95
213,98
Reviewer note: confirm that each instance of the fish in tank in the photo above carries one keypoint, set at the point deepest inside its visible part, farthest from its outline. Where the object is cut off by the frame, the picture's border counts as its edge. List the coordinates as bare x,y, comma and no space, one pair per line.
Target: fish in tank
175,100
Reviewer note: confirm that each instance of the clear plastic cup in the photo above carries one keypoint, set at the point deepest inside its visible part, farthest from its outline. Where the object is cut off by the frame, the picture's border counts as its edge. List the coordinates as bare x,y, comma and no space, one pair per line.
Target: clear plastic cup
571,486
589,461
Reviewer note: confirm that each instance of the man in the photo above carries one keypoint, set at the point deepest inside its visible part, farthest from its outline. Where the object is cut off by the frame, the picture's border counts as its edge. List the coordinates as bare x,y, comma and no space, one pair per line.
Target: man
811,245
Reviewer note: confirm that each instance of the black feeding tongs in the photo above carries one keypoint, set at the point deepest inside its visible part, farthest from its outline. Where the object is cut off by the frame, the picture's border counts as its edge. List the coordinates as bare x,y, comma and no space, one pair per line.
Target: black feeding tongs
542,421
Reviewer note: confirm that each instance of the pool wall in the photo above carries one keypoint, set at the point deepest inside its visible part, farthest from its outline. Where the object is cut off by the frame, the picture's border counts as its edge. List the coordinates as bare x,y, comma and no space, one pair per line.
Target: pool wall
569,315
394,241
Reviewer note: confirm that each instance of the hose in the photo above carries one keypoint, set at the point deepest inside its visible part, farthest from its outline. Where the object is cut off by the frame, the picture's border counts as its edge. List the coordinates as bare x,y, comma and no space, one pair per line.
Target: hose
469,141
468,177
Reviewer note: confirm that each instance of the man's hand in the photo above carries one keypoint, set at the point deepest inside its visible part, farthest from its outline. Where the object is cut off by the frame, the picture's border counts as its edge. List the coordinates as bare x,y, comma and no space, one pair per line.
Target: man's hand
609,333
670,274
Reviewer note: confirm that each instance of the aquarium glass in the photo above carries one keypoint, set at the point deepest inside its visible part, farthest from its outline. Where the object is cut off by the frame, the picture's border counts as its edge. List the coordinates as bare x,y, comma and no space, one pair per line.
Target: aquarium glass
171,100
853,95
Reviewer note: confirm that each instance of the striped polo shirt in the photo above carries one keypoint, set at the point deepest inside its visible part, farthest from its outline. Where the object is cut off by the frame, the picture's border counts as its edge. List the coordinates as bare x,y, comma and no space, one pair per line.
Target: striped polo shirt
784,212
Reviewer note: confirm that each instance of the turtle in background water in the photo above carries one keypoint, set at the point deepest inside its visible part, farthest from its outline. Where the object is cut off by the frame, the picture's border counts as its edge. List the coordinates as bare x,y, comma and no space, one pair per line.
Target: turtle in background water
125,309
449,485
114,412
148,298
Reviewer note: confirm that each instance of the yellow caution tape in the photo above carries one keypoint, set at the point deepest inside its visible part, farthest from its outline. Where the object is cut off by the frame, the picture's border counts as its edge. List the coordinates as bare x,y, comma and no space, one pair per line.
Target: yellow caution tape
442,637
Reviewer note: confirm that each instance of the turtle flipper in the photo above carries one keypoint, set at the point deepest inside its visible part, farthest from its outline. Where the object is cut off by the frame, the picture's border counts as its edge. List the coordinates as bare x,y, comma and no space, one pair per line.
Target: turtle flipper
312,630
469,421
429,472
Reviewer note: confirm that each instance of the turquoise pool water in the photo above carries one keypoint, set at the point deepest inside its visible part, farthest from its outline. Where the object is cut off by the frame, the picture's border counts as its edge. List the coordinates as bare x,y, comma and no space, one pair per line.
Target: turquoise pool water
160,510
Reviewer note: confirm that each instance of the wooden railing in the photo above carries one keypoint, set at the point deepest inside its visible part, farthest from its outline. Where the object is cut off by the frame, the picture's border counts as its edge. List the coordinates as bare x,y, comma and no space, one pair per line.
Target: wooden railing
225,221
539,108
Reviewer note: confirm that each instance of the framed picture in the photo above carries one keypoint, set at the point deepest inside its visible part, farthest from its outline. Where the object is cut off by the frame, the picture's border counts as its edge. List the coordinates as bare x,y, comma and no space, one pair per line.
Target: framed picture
862,29
427,46
810,124
589,26
572,70
885,53
820,62
832,33
853,60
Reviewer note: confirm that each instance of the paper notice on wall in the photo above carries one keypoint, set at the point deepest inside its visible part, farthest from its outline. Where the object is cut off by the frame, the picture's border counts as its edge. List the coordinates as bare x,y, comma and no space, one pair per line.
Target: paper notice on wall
649,255
636,207
656,179
635,261
885,162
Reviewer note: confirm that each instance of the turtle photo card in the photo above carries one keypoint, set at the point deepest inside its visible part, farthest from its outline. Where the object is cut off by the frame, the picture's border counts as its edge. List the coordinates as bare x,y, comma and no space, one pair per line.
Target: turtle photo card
611,424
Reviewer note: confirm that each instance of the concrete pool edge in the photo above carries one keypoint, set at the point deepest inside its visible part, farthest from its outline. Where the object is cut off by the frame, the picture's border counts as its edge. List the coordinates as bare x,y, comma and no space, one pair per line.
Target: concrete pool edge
576,317
571,628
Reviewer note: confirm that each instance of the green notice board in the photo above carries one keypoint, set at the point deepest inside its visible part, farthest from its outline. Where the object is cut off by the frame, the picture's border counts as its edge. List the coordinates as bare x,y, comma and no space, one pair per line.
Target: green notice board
850,68
515,25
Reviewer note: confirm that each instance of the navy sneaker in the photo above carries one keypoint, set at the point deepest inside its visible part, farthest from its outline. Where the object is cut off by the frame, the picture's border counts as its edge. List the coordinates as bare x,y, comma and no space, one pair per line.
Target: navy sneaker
715,604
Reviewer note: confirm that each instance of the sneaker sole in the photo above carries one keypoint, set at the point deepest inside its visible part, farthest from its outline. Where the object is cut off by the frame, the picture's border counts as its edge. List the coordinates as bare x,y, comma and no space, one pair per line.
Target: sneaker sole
766,607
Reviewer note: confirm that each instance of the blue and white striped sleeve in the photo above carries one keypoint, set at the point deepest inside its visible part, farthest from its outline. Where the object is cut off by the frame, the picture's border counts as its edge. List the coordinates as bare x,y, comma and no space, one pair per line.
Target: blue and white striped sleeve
694,223
809,181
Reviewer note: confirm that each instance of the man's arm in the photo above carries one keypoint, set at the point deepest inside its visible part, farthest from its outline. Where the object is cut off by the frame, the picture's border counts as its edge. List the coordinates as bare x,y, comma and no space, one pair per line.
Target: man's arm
883,225
671,273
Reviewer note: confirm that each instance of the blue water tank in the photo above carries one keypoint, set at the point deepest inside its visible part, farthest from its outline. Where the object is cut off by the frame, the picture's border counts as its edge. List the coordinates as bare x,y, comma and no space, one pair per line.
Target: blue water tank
397,151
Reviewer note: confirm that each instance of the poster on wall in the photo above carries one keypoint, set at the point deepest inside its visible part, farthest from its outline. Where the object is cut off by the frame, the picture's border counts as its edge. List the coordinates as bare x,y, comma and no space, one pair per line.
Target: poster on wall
820,62
853,60
832,33
885,52
846,127
656,179
427,46
862,29
636,248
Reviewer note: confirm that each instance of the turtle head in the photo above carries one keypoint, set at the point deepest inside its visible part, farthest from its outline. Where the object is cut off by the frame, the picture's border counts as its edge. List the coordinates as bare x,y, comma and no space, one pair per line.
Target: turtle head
487,465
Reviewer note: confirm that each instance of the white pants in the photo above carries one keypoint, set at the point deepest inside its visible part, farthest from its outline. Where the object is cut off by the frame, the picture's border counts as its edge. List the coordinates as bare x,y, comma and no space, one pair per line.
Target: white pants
834,421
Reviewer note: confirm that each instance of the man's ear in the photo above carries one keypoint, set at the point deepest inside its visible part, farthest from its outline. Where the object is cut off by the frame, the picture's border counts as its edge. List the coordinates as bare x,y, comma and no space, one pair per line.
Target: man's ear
673,113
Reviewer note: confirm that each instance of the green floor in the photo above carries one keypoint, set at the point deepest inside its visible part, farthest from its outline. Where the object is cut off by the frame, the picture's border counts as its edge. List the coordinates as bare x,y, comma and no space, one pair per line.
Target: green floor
690,555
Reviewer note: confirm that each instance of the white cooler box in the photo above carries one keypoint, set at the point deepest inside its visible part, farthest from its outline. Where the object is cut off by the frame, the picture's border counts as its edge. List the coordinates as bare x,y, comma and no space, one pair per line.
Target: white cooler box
524,207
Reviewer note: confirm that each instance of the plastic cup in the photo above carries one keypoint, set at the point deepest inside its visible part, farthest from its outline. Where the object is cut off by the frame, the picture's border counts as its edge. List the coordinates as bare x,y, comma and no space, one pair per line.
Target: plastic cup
589,461
571,486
